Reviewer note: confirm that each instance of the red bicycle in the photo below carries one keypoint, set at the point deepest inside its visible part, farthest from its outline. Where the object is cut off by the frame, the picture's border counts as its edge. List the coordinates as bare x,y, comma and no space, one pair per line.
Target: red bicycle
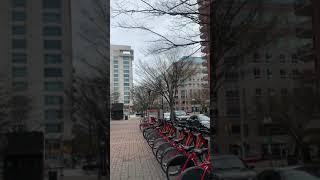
180,146
197,156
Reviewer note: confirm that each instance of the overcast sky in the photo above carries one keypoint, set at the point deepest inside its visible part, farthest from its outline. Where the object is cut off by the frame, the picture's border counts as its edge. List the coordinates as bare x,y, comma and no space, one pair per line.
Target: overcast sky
137,39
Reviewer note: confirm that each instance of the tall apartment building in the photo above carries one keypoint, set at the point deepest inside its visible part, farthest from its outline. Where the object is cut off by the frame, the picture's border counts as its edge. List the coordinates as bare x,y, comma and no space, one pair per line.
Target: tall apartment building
36,60
190,96
273,69
121,75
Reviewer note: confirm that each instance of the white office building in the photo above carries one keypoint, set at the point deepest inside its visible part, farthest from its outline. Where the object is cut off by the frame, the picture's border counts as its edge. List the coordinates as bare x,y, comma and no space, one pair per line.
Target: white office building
121,77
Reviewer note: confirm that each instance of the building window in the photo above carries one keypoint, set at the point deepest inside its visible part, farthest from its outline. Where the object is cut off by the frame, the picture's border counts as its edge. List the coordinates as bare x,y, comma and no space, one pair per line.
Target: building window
295,74
126,71
116,89
52,31
116,84
115,61
19,71
268,57
53,115
18,3
126,101
18,30
269,74
126,97
18,16
19,44
53,100
126,84
256,57
116,71
294,58
116,79
126,88
52,44
126,75
258,92
53,86
125,62
256,73
282,58
126,93
116,75
51,17
51,4
283,74
126,80
53,128
126,67
52,72
115,66
19,57
19,85
52,59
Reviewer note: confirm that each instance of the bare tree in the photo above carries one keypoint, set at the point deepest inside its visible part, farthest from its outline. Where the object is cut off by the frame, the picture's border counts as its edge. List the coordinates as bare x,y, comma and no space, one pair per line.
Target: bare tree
166,74
92,102
185,22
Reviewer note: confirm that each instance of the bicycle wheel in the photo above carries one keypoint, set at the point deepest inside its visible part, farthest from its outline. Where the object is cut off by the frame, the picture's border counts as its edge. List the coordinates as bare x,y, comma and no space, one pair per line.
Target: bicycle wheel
152,137
167,155
174,166
156,145
194,173
161,149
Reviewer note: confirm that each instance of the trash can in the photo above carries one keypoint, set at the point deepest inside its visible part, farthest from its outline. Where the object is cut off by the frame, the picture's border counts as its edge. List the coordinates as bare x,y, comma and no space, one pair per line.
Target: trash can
53,175
126,117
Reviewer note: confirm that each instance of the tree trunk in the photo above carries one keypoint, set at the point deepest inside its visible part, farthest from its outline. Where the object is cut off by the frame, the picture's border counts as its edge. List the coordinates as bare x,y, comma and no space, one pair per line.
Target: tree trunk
172,113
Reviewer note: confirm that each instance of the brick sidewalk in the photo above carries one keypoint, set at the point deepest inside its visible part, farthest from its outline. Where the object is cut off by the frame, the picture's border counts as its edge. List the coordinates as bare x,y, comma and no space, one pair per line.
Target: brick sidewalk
131,157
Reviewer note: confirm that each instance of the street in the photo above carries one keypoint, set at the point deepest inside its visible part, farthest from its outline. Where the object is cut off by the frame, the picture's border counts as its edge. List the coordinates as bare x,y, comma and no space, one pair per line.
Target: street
131,157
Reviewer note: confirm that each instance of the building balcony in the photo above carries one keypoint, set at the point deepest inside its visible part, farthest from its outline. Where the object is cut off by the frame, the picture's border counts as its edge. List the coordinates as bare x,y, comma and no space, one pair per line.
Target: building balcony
303,7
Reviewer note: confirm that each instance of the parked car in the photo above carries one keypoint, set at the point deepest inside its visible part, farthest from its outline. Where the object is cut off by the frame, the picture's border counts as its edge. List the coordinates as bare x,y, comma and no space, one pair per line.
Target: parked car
231,167
166,116
302,172
201,118
181,115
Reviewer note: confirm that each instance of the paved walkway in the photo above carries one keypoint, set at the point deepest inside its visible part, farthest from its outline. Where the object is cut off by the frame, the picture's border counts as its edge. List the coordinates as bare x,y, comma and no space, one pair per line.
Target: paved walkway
131,157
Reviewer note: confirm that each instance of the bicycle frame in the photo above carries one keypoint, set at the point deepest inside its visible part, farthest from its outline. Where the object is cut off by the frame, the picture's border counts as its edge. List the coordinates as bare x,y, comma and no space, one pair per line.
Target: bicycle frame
200,142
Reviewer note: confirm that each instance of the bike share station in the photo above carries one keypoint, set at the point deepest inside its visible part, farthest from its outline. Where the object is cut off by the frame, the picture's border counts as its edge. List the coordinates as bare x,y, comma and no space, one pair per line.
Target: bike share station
180,147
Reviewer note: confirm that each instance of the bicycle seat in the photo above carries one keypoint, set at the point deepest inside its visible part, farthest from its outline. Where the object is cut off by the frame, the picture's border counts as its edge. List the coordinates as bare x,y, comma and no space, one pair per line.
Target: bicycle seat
200,151
187,148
